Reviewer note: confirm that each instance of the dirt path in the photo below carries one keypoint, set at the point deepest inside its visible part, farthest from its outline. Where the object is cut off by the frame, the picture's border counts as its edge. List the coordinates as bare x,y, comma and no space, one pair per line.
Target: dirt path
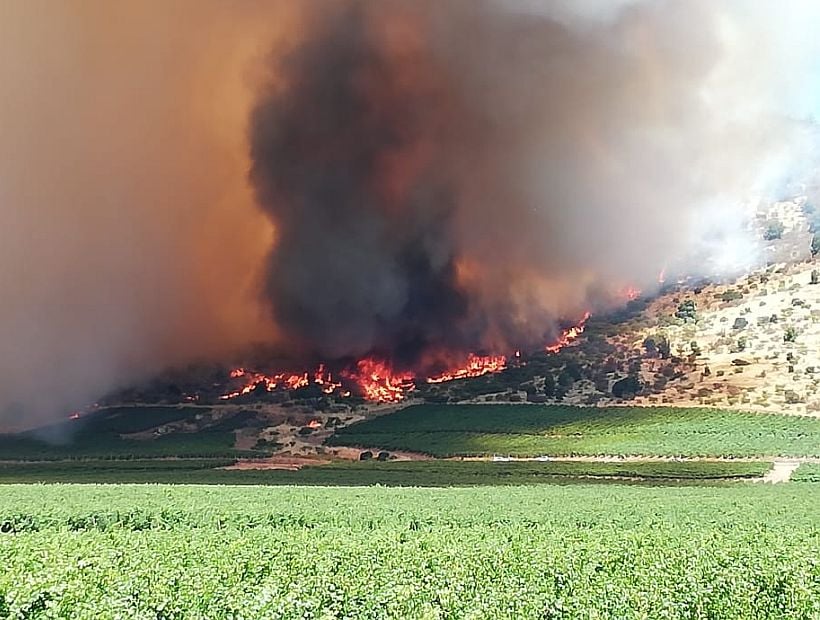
781,471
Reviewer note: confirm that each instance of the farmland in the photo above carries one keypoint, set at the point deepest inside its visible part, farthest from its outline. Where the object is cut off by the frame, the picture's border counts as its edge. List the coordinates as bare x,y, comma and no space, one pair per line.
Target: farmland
396,473
524,552
532,430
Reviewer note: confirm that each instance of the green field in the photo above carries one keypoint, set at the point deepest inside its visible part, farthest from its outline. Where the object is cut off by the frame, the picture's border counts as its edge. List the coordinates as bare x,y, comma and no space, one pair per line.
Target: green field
807,472
582,551
103,434
533,430
395,473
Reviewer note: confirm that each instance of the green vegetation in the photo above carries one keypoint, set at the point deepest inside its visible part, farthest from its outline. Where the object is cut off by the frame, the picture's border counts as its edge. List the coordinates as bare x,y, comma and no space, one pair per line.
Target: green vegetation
807,472
533,430
687,310
392,473
582,551
774,230
101,435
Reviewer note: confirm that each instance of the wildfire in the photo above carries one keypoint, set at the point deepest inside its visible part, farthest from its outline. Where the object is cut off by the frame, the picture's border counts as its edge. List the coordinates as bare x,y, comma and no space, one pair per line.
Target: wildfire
568,335
379,383
476,366
375,378
631,293
254,380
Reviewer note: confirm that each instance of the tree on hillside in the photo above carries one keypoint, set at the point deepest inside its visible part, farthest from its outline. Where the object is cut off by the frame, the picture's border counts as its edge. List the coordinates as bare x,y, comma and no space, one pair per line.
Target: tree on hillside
627,387
687,310
774,230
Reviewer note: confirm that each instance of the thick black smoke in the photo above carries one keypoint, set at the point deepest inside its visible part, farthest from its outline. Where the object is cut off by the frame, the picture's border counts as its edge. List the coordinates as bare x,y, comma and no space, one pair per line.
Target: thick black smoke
345,162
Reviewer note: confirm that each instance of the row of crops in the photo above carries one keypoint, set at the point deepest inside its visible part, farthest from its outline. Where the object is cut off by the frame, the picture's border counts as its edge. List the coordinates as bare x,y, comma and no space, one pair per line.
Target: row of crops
531,430
582,551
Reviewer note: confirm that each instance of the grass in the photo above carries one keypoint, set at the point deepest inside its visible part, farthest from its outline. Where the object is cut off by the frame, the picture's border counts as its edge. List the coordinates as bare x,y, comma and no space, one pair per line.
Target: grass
397,473
581,551
532,430
807,472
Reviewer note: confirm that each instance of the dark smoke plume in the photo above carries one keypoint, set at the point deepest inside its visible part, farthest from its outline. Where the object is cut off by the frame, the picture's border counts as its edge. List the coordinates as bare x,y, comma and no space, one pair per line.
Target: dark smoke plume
346,162
459,175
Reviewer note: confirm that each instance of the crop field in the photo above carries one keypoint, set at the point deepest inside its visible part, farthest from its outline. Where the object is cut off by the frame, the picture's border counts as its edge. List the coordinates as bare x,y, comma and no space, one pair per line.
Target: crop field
393,473
807,472
581,551
104,434
533,430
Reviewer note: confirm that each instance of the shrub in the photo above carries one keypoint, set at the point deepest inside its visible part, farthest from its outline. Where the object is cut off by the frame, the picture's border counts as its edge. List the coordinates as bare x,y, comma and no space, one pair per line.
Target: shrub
774,230
627,387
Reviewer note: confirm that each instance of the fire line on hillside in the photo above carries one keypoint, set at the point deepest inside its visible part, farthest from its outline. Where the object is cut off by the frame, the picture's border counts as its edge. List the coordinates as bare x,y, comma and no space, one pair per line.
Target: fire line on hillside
376,380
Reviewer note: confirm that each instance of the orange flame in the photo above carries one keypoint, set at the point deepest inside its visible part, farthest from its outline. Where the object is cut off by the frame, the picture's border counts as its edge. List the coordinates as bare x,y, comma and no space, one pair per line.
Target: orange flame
269,382
379,383
568,335
476,366
631,293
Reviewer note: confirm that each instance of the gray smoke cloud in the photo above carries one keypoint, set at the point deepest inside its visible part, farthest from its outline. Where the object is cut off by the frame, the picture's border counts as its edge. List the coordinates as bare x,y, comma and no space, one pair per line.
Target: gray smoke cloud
430,174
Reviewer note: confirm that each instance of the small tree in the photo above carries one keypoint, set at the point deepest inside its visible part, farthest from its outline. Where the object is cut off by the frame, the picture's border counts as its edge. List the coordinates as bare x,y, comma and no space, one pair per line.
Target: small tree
815,244
774,230
815,276
790,334
626,387
664,347
741,344
687,310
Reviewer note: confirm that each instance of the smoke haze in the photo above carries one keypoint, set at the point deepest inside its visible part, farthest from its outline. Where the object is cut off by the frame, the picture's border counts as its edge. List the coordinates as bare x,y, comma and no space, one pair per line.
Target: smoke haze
179,179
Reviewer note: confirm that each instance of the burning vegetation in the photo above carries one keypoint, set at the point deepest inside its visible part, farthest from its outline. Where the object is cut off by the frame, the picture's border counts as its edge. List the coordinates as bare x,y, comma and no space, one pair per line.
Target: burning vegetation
376,380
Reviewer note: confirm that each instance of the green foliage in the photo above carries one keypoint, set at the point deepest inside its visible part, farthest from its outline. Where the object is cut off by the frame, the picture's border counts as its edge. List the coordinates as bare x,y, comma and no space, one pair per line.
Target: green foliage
807,472
582,551
687,310
789,334
533,430
627,387
774,230
370,472
101,435
731,295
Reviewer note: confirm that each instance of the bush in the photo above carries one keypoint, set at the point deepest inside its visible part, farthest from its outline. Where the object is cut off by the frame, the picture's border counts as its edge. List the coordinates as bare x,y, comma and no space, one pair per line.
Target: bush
731,295
627,387
774,230
687,310
790,334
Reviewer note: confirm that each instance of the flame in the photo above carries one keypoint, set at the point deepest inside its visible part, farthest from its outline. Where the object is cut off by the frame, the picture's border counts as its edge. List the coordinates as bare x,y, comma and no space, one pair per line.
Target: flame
631,293
568,335
662,275
254,380
379,383
476,366
314,424
375,378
